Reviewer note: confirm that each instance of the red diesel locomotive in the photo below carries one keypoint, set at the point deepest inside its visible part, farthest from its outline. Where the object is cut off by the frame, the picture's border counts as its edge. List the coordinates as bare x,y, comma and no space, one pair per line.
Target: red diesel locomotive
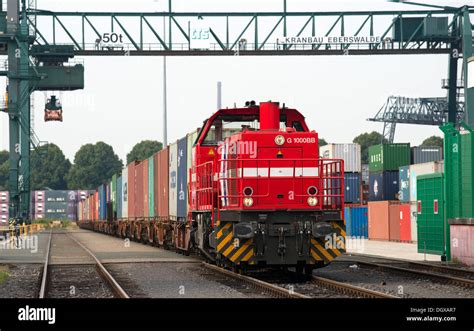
258,194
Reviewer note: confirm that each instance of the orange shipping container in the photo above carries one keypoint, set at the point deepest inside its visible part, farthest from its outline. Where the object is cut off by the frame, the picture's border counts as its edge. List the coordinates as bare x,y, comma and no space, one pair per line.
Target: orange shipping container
405,222
394,222
131,189
379,219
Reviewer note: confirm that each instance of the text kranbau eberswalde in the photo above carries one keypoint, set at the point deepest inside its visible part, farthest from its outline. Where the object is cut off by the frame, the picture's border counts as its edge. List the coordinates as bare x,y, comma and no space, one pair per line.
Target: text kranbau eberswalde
37,314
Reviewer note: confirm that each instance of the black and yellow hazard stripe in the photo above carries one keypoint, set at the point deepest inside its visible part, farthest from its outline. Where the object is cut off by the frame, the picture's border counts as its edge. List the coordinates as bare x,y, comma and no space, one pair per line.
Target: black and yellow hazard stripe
228,247
326,250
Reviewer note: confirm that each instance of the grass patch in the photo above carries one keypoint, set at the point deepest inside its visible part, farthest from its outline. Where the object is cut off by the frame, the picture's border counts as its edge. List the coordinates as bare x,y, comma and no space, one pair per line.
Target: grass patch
48,224
4,274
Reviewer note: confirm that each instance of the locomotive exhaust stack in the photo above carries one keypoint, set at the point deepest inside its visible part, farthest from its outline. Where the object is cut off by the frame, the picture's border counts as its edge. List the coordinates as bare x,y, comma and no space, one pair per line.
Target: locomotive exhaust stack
269,116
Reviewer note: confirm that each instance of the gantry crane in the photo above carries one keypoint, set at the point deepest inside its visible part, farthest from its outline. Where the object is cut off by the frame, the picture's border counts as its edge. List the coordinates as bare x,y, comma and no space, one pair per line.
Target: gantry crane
437,30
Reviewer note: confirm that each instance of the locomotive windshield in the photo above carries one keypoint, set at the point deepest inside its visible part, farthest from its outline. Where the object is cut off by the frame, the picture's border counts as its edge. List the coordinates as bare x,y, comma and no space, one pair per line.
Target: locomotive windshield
225,126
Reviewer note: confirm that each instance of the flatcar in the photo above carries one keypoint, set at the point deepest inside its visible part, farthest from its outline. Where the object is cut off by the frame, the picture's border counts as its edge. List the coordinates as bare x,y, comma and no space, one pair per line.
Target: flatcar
247,190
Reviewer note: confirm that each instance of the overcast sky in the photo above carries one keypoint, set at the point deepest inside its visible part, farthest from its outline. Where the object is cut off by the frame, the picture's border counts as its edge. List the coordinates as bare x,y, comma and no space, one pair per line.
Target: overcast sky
122,100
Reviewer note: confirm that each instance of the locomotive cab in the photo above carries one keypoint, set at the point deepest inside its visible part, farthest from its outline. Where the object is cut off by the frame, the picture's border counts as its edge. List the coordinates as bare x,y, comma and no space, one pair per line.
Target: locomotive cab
260,194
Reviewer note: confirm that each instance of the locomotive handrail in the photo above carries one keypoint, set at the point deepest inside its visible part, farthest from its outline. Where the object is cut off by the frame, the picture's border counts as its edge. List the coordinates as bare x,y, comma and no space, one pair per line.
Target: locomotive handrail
324,174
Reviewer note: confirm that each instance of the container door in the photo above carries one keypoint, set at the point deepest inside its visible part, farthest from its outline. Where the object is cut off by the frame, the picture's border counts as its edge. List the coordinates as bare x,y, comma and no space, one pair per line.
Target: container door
405,223
182,178
151,187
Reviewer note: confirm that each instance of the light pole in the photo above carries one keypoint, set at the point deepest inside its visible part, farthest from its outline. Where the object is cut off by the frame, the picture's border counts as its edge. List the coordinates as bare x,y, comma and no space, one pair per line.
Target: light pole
165,115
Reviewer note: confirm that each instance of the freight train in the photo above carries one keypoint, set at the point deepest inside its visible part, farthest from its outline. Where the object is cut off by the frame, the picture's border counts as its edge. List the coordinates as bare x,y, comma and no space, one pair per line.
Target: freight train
248,189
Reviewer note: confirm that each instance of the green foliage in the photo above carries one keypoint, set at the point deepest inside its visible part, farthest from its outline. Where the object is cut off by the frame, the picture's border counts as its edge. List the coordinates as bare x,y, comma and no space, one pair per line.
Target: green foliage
322,142
93,166
49,168
144,149
365,140
3,156
433,141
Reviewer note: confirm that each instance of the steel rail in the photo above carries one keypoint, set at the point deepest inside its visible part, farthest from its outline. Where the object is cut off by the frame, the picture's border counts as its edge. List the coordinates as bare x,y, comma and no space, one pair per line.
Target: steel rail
352,290
452,279
267,287
42,292
114,285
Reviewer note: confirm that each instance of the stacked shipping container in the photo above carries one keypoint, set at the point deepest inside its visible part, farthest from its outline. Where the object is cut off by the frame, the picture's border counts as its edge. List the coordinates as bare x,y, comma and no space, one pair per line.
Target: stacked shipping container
350,153
4,208
56,204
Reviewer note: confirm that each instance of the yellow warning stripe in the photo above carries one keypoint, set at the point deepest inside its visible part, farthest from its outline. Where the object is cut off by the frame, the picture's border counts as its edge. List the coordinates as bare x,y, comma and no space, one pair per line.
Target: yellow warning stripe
248,255
337,252
224,242
228,250
343,233
240,251
219,233
315,256
322,250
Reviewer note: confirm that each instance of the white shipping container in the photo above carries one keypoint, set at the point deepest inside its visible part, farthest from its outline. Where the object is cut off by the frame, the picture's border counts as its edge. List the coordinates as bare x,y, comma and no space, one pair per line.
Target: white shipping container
125,192
422,169
413,220
173,176
350,153
191,139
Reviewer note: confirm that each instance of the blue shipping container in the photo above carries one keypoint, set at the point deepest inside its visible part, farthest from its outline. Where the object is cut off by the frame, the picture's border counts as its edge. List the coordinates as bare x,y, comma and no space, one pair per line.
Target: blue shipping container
347,218
383,185
404,183
118,198
352,187
359,222
182,180
102,202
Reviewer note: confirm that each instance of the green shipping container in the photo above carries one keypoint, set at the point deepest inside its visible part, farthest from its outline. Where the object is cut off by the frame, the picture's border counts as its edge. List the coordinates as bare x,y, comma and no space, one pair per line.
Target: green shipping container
433,228
459,177
113,193
151,196
388,157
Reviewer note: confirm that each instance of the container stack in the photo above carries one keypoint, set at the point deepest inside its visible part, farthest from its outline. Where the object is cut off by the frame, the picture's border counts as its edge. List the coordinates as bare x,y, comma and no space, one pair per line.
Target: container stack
56,204
350,153
384,163
4,200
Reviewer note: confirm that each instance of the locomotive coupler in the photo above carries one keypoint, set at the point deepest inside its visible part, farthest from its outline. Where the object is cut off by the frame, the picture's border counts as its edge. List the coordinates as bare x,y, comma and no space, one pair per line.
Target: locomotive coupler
281,241
260,240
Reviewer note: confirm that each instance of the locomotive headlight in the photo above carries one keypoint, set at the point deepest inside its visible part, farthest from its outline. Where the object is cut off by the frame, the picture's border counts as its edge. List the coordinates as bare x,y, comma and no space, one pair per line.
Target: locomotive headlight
279,140
312,190
248,191
312,201
248,202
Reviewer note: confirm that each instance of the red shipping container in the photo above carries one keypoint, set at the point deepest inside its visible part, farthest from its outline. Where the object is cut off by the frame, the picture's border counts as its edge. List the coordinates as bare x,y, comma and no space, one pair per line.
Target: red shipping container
162,194
380,215
146,211
96,206
139,190
394,222
131,189
405,222
156,190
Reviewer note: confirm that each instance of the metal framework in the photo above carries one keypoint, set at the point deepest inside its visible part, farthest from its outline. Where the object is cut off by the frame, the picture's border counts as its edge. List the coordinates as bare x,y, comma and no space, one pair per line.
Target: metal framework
426,111
230,34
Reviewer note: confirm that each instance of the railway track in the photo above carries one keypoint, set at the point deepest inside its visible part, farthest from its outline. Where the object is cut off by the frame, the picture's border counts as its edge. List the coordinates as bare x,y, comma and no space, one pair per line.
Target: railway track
456,276
282,292
61,280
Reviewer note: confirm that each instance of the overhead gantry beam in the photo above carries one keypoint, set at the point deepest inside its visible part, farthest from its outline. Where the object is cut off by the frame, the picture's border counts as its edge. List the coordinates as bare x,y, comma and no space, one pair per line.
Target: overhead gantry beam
234,33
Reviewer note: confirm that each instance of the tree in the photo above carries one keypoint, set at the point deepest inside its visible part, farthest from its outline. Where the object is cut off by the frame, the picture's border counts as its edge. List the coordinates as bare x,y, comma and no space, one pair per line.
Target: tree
4,170
433,141
94,164
365,140
322,142
3,156
49,168
144,149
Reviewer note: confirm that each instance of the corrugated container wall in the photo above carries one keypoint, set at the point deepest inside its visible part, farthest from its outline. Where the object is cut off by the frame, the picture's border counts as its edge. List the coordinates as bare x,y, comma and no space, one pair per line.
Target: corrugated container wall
433,228
388,157
113,193
379,225
118,197
173,173
359,222
383,185
348,221
191,139
394,222
139,189
422,169
146,207
151,187
131,189
182,178
352,187
462,240
350,153
125,192
162,192
404,183
423,154
102,200
405,222
467,175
